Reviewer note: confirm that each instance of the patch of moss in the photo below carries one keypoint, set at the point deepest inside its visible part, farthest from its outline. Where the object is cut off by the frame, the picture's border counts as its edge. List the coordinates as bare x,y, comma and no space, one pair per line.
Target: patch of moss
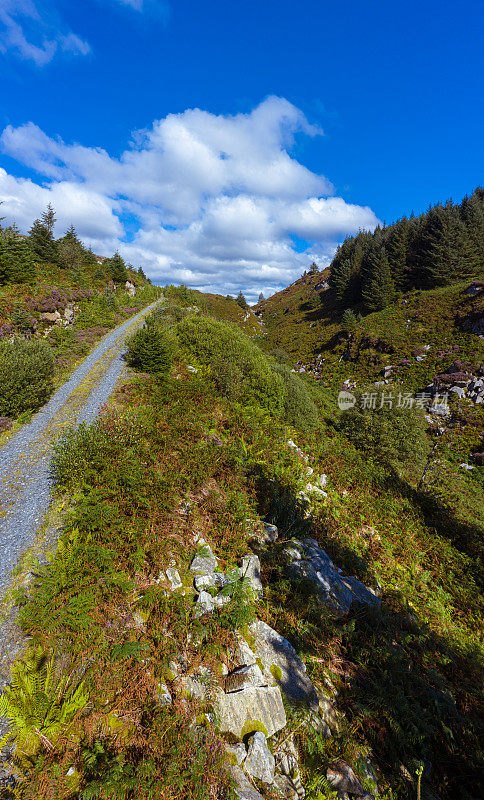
253,725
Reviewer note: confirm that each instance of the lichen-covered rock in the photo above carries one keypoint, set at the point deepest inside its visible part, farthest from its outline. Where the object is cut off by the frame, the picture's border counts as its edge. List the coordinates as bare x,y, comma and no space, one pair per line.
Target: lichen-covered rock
240,678
204,562
243,788
173,577
260,762
250,570
287,788
205,604
307,560
261,539
254,708
282,665
237,751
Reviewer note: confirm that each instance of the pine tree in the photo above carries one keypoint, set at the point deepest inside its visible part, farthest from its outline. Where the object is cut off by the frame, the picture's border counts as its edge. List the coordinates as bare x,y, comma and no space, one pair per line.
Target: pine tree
242,302
43,243
341,277
89,259
17,262
472,214
349,321
378,289
447,249
116,268
397,250
70,249
48,218
261,298
141,273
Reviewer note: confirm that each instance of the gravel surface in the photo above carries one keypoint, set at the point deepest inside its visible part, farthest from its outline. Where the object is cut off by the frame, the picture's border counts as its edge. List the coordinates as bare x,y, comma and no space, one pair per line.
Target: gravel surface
25,460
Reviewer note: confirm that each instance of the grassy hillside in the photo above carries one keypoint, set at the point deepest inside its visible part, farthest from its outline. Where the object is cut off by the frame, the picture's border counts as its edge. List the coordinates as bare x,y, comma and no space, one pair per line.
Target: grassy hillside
196,449
306,323
52,312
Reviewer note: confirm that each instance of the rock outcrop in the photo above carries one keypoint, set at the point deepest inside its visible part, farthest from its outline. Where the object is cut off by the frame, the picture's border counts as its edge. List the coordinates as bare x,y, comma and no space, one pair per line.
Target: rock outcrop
305,559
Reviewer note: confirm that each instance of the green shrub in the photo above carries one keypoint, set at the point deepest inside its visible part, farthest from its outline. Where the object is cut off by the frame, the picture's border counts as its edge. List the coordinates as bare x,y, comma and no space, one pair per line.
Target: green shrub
239,368
391,435
299,408
26,376
349,321
151,349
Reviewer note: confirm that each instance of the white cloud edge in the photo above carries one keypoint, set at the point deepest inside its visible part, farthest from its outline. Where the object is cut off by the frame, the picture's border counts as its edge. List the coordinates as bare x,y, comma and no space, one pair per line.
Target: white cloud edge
217,198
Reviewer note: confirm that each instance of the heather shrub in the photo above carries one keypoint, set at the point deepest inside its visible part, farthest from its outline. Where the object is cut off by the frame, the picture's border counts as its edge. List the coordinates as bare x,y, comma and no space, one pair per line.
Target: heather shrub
238,367
151,349
26,375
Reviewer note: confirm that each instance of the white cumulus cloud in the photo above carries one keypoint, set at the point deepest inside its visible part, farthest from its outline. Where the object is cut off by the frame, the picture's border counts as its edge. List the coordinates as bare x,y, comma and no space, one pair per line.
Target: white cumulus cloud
214,201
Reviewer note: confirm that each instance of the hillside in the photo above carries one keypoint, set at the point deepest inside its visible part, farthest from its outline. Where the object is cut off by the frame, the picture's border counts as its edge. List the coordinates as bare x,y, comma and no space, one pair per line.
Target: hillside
57,299
246,597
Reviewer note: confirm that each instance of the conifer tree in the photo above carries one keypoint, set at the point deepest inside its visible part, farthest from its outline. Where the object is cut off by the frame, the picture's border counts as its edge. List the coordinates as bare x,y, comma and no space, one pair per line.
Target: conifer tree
48,218
472,214
116,268
447,250
70,249
397,249
378,289
242,302
261,298
42,242
17,262
349,320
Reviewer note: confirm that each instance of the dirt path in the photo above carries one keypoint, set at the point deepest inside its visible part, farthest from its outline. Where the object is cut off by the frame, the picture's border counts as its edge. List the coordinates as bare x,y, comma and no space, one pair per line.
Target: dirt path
25,482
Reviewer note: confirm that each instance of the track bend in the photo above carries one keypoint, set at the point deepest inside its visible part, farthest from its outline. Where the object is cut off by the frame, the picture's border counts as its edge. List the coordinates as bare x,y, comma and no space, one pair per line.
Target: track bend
25,459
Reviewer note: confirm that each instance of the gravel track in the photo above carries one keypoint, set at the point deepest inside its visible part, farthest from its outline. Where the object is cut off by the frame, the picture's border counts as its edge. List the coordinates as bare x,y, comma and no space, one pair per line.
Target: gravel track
25,459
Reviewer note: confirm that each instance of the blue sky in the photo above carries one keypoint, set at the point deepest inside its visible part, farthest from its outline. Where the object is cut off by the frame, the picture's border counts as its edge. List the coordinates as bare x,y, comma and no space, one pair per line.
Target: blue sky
226,145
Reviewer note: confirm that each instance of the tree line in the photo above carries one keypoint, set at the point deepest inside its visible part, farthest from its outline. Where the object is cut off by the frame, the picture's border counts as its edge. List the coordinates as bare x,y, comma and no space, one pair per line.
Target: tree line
437,248
19,254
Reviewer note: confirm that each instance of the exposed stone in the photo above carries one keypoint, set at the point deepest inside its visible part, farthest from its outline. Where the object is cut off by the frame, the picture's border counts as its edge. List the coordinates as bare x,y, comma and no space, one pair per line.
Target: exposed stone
163,695
205,604
328,713
261,539
345,780
331,587
287,757
194,687
240,678
240,713
221,600
287,788
260,762
243,788
282,665
458,390
174,579
250,570
204,562
238,752
53,318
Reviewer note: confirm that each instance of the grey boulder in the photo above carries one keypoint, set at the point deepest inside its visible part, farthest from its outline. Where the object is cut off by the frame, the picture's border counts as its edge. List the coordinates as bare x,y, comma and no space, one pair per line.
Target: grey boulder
260,762
282,665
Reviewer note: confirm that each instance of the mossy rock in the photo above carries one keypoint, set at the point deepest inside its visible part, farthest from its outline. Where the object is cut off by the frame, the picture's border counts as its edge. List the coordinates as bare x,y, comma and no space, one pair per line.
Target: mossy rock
251,726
